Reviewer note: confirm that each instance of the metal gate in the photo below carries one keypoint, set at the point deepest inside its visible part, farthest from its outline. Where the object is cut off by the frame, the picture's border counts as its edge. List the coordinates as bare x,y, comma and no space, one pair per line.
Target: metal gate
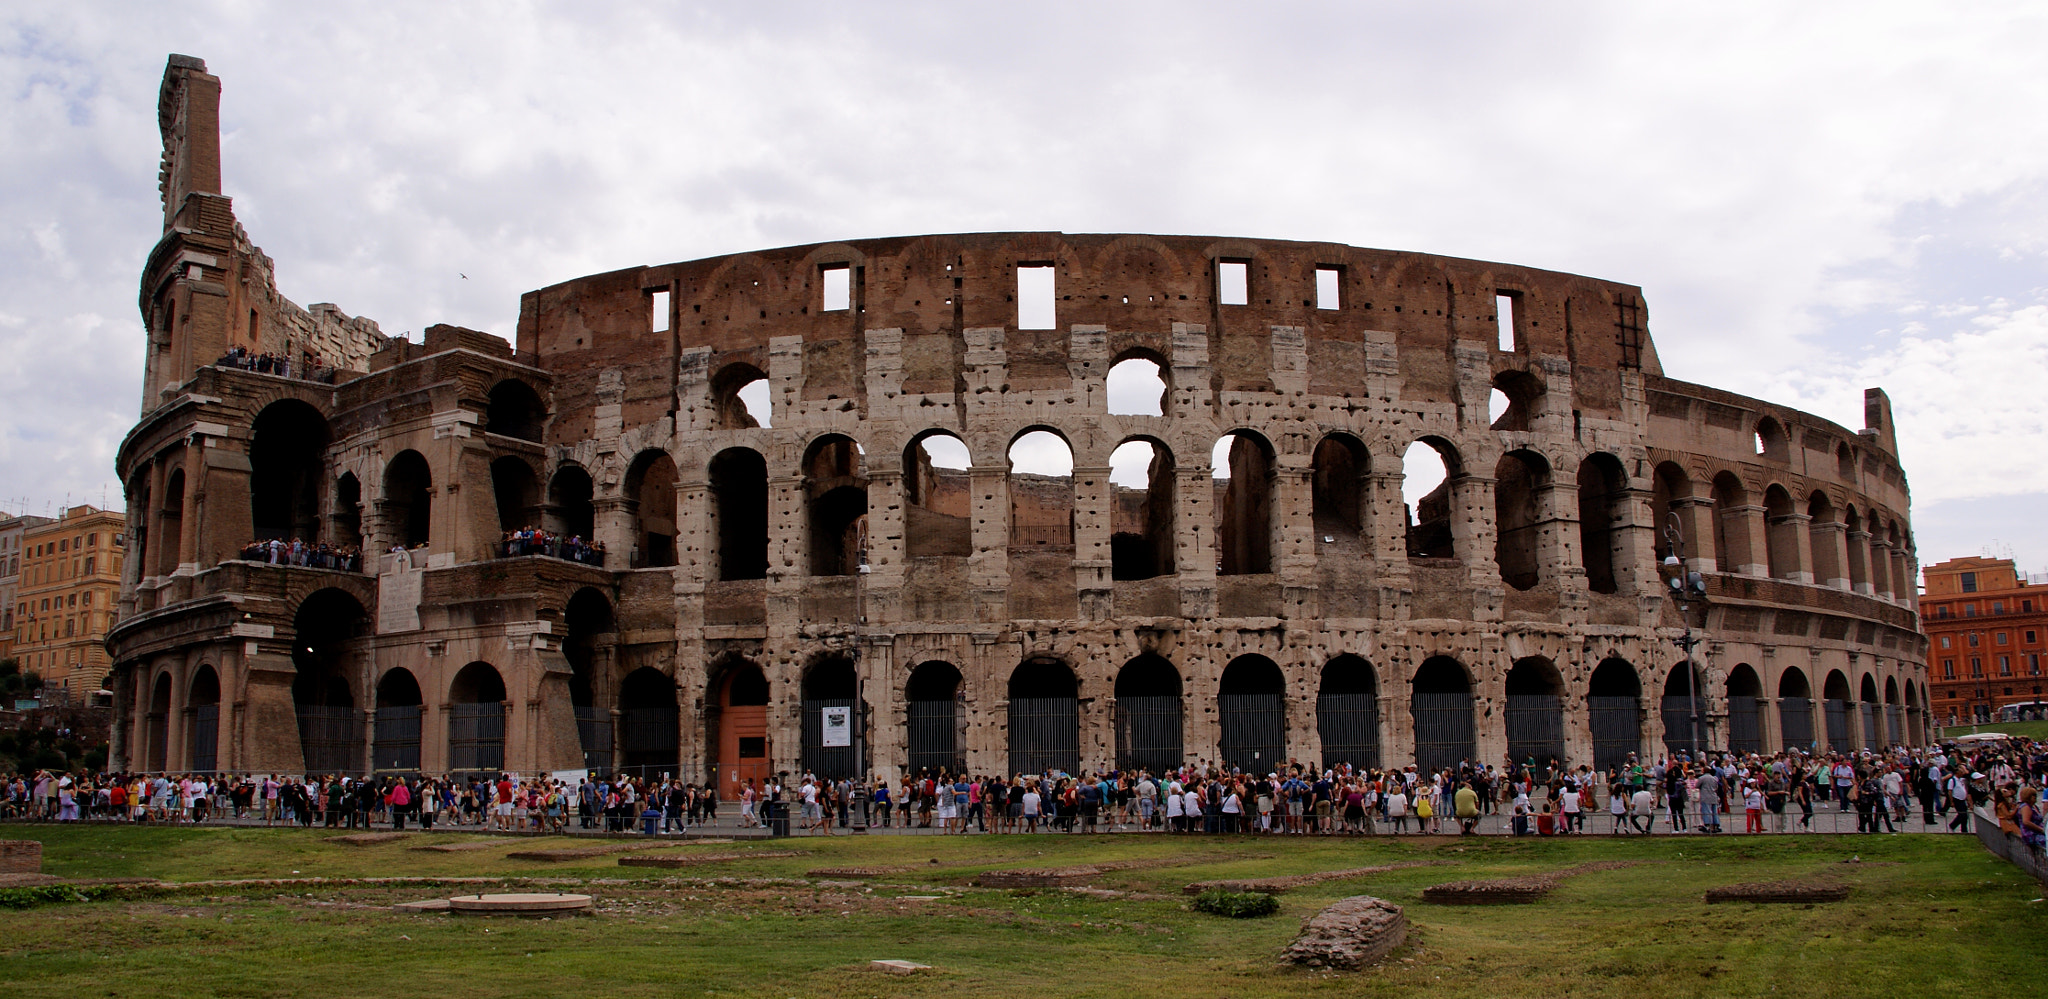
1254,736
934,736
1148,733
649,740
1679,730
1873,729
1795,722
1535,725
1745,726
396,739
205,738
1045,734
476,737
594,734
1349,725
829,762
1895,724
1838,724
1443,730
330,739
1617,730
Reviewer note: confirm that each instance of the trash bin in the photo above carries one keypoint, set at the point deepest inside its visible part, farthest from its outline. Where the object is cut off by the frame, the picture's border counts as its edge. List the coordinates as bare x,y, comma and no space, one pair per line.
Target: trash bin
778,818
650,821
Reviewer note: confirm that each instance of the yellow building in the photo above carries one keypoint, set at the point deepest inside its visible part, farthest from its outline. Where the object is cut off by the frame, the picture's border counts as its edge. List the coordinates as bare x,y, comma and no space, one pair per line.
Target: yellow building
65,599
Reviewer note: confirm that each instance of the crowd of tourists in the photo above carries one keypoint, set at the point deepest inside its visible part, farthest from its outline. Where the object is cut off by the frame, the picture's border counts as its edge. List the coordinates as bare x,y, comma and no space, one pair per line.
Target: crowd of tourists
534,541
314,554
266,363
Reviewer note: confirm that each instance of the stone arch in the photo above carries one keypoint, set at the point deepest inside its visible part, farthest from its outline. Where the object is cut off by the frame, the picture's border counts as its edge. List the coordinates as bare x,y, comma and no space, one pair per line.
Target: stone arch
736,724
395,725
836,505
1044,717
1795,709
938,495
287,462
1244,505
588,645
1781,552
409,499
933,718
831,683
648,719
324,629
348,511
1342,491
651,486
1521,482
1431,533
515,410
202,727
1732,542
1685,707
1137,384
1837,705
157,724
1745,691
476,720
1871,715
170,524
1041,505
732,409
1251,710
1845,463
1534,711
1614,712
1522,394
1671,498
1603,512
1142,537
517,491
1149,732
1348,712
572,514
1441,703
739,514
1771,441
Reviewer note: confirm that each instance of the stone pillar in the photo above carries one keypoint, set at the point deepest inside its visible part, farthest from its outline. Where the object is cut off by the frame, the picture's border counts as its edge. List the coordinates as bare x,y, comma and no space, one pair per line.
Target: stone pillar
615,520
1858,562
1830,553
1745,529
1093,525
988,569
1696,525
1881,580
1789,538
1195,551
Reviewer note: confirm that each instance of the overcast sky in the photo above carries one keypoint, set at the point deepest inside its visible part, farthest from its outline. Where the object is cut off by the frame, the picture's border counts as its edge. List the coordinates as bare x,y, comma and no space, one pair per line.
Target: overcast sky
1815,198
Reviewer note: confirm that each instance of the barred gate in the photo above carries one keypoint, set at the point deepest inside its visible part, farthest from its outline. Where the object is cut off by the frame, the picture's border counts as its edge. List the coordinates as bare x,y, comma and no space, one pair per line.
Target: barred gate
1148,733
649,737
1254,736
1045,734
476,737
1535,724
1745,727
1350,728
1617,731
1795,722
330,739
1837,711
829,762
1443,730
1679,729
594,734
1873,730
206,738
1895,724
395,741
934,736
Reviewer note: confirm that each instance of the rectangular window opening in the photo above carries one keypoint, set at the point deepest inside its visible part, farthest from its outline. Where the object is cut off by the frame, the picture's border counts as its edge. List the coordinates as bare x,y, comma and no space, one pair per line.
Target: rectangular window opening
837,282
657,318
1233,282
1505,305
1329,288
1969,582
1035,310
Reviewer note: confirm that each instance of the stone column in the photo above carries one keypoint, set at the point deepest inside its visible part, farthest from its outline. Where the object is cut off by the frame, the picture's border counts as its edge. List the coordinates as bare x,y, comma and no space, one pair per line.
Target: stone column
1830,554
1858,562
1093,526
1789,538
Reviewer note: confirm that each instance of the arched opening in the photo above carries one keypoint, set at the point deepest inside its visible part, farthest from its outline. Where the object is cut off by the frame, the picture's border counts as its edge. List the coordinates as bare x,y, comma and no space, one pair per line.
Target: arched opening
1781,553
287,459
1141,541
476,720
1242,472
1915,735
1685,711
837,495
1044,717
1251,709
932,715
139,514
589,647
1670,488
938,497
1731,525
1835,701
1535,714
832,720
1614,713
157,747
648,719
1520,480
740,397
170,525
395,726
1041,491
739,513
651,483
1348,713
1745,721
1137,387
1440,700
330,727
571,515
1795,710
409,499
1895,731
1873,716
348,511
1603,498
1845,464
1770,440
1820,519
518,494
515,410
1516,400
738,725
202,736
1426,473
1342,491
1148,715
1859,551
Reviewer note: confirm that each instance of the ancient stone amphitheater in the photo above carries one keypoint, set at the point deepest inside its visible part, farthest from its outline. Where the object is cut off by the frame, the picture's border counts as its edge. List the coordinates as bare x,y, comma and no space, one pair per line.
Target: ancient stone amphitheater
1003,500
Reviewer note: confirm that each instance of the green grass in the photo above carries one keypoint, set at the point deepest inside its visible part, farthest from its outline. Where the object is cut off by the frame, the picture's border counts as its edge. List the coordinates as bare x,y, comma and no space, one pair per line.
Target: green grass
1928,915
2027,729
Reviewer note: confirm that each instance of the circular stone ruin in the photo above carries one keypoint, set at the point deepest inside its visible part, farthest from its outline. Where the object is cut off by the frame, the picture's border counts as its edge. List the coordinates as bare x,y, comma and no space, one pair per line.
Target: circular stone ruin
520,904
1786,892
1350,933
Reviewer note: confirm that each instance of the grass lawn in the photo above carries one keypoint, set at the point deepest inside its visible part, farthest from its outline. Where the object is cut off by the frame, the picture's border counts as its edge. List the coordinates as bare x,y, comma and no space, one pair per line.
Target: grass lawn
1927,916
2026,729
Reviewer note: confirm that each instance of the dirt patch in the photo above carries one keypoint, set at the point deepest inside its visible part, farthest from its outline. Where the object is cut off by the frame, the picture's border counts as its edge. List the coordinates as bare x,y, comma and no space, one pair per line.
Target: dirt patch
1038,877
690,859
877,871
1513,891
369,838
569,853
1790,892
1276,886
482,844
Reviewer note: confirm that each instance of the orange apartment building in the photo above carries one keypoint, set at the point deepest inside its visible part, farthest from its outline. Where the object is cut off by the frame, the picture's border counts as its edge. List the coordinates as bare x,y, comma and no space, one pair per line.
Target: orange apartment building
66,599
1985,630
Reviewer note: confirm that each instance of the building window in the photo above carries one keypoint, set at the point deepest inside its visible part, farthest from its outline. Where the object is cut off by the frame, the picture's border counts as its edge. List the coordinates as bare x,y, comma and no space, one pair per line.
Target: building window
1946,641
1969,582
2026,606
2034,664
2004,665
1948,669
2030,638
1974,637
1999,637
1997,606
1976,666
1969,610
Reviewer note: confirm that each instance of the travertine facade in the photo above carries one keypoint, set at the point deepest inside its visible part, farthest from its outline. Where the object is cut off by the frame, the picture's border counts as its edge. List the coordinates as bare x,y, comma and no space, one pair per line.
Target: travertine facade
758,578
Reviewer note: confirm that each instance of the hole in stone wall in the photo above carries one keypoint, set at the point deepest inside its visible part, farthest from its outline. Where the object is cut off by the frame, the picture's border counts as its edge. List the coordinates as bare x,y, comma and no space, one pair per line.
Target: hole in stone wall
837,282
658,311
1137,388
1519,482
1141,528
1426,495
740,394
1505,306
938,497
1496,405
1041,490
1233,286
1329,288
1035,290
739,510
1242,473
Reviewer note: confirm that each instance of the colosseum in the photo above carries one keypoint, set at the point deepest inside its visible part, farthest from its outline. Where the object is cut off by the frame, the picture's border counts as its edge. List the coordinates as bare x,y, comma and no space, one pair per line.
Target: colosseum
1007,501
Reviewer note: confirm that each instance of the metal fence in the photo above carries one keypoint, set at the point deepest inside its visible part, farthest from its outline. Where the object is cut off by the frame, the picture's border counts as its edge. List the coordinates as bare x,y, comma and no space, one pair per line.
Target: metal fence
476,737
1254,731
1681,734
1795,722
205,737
594,734
934,732
1617,730
1350,728
1837,712
1535,724
1148,732
1745,728
331,738
828,762
395,738
1045,734
1443,730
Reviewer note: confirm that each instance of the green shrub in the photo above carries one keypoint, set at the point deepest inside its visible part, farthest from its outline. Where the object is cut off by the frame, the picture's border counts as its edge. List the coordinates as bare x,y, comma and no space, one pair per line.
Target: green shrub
30,897
1236,904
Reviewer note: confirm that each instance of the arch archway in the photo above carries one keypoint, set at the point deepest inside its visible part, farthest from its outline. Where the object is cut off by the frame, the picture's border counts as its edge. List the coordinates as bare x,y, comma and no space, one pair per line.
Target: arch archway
1684,708
1041,490
1348,713
1836,701
588,647
932,715
1535,714
202,705
517,492
476,720
937,496
1614,697
287,460
395,727
1342,494
1732,550
1244,504
1136,385
1895,731
648,717
1441,702
740,397
1251,710
1795,710
409,499
1603,499
739,513
1520,480
833,719
515,410
1745,723
1781,550
1429,472
1148,715
348,513
1044,717
571,514
738,726
330,727
1141,540
157,725
836,493
1871,715
651,483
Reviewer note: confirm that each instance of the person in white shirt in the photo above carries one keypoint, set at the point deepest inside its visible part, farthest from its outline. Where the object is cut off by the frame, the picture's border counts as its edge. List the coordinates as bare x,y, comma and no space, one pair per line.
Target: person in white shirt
1031,803
1397,809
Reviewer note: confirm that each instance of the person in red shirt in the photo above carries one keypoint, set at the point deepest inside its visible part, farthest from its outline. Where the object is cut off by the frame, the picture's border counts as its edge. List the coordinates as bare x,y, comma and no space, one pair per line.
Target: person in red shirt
502,818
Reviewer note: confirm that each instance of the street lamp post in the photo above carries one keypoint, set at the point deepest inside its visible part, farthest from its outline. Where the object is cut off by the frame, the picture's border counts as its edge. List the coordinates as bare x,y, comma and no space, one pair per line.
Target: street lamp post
1687,588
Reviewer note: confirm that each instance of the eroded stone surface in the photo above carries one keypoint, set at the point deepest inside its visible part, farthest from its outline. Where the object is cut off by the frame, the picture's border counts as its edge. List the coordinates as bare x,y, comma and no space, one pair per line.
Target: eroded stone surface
1350,933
